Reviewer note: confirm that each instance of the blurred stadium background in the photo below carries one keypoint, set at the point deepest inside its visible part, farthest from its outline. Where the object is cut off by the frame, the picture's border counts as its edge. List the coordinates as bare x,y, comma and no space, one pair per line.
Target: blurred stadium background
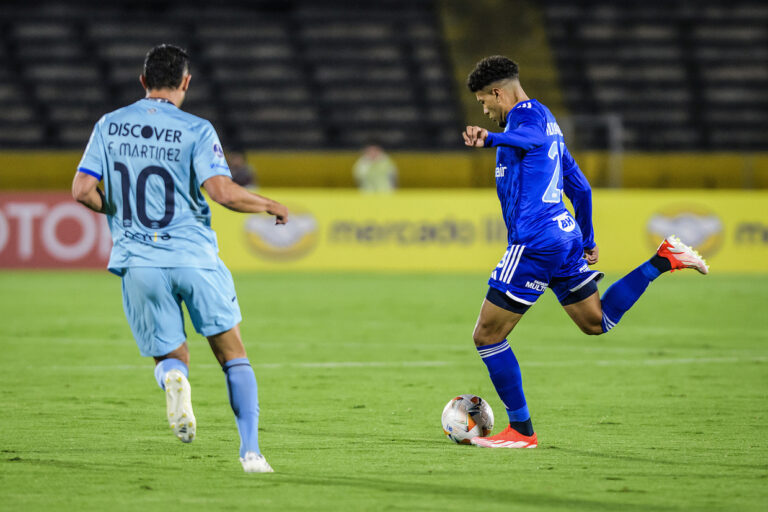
363,305
651,96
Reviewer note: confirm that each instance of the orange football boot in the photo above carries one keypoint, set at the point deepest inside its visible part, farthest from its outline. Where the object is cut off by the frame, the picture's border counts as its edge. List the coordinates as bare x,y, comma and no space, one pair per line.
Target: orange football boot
681,256
507,438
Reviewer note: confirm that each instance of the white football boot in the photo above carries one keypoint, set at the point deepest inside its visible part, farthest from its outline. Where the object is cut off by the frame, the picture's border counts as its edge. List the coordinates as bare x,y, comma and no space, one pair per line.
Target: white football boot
681,256
178,399
255,463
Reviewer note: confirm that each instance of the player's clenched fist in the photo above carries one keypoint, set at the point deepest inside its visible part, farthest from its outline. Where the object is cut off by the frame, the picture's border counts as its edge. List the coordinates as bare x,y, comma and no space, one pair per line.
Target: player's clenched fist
474,136
592,255
279,211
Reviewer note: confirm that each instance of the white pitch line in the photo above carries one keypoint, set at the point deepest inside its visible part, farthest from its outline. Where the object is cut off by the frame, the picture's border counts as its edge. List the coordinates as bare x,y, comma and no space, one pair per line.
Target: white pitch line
647,362
433,364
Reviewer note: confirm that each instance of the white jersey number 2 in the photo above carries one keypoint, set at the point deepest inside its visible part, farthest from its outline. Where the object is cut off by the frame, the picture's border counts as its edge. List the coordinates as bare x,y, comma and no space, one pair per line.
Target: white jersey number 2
554,192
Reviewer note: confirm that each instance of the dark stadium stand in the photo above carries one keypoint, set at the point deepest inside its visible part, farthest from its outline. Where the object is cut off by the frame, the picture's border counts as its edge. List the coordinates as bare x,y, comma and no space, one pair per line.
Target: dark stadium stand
330,74
680,74
300,74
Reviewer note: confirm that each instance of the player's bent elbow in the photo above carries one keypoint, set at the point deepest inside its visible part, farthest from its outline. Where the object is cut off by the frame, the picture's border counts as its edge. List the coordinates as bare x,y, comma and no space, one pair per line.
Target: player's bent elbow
218,191
80,193
224,198
222,190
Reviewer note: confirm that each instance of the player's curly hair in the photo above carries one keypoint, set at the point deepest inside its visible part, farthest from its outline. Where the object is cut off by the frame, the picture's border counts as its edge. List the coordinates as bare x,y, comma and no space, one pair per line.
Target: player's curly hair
164,67
490,70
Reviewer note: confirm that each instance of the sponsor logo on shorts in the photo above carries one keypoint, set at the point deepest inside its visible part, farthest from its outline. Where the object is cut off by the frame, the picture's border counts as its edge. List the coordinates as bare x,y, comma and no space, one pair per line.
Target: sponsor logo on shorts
500,170
536,285
696,225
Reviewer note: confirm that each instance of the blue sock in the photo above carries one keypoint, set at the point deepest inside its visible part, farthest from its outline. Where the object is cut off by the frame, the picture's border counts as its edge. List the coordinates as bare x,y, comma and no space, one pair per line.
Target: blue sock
241,384
505,375
623,294
167,365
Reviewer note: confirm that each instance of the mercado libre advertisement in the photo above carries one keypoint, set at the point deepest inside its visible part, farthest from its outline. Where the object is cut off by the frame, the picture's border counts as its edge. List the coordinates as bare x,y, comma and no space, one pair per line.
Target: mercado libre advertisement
463,231
409,231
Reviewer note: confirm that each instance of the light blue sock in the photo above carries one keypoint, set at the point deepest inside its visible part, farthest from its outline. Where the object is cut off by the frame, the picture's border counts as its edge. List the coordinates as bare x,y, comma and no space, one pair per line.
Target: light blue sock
167,365
243,397
623,294
507,379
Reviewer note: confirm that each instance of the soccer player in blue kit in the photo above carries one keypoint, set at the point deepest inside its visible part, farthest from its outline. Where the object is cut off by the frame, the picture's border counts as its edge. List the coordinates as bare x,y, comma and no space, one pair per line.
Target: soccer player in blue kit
153,159
548,248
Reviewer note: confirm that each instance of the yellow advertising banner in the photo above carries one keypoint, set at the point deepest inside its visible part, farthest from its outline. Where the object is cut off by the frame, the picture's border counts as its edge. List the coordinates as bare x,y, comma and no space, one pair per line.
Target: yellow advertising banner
462,230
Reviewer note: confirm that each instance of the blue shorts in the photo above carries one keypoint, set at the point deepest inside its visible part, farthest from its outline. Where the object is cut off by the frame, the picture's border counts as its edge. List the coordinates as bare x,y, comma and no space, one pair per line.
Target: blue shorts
152,300
524,273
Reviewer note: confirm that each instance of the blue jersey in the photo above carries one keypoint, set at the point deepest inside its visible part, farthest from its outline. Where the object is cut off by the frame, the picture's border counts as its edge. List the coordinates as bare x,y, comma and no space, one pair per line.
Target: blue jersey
153,159
533,166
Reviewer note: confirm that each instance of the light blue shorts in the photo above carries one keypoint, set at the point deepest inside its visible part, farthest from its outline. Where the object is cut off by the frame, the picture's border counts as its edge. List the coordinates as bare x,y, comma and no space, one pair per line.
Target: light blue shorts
152,300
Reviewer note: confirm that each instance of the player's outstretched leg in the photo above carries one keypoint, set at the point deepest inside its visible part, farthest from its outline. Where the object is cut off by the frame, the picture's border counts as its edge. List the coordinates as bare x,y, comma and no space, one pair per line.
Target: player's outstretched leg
243,397
171,375
496,322
672,255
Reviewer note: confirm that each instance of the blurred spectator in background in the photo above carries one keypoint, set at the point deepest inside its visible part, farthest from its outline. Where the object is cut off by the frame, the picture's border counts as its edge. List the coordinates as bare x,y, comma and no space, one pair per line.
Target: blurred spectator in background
242,173
375,171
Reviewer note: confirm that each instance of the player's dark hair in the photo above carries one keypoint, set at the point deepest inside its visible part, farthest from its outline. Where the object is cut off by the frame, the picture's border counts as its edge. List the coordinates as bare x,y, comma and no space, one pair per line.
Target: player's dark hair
164,67
490,70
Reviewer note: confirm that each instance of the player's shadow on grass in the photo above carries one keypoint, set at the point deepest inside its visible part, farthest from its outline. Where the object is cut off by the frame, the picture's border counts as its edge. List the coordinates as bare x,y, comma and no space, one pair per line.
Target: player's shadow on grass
508,497
647,460
366,438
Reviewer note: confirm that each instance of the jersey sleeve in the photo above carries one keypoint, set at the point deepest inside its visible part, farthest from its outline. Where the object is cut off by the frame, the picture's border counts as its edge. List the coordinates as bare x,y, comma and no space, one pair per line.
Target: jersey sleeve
576,187
92,162
528,134
208,156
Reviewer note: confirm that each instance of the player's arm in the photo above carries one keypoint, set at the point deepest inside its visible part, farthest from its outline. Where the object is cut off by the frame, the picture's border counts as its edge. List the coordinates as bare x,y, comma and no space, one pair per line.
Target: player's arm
576,187
86,191
527,135
230,195
212,173
85,186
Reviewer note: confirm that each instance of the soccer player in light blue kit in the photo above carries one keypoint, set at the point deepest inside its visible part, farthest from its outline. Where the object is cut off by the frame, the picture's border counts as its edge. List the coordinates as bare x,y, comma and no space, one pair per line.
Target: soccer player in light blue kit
548,248
153,159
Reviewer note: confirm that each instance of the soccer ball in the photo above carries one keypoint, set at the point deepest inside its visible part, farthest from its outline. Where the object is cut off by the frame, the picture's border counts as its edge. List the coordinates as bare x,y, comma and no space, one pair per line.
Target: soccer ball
465,417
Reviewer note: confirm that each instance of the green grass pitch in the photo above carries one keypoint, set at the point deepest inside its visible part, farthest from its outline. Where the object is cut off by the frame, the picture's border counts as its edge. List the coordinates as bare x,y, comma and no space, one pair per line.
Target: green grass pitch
666,413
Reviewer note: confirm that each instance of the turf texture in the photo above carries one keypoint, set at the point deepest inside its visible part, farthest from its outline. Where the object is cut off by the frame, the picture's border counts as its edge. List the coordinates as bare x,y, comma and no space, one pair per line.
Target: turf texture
666,413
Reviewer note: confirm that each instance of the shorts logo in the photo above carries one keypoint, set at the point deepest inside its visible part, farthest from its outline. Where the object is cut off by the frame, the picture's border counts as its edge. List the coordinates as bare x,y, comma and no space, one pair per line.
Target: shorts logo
500,170
290,241
696,225
218,151
565,222
536,285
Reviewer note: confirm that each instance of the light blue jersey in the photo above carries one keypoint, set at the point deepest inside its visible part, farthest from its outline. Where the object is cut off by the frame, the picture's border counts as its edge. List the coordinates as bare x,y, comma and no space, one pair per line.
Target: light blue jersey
153,159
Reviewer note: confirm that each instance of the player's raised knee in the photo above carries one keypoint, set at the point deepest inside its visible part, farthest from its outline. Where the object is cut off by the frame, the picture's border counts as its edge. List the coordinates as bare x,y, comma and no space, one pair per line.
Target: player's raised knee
484,336
591,329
